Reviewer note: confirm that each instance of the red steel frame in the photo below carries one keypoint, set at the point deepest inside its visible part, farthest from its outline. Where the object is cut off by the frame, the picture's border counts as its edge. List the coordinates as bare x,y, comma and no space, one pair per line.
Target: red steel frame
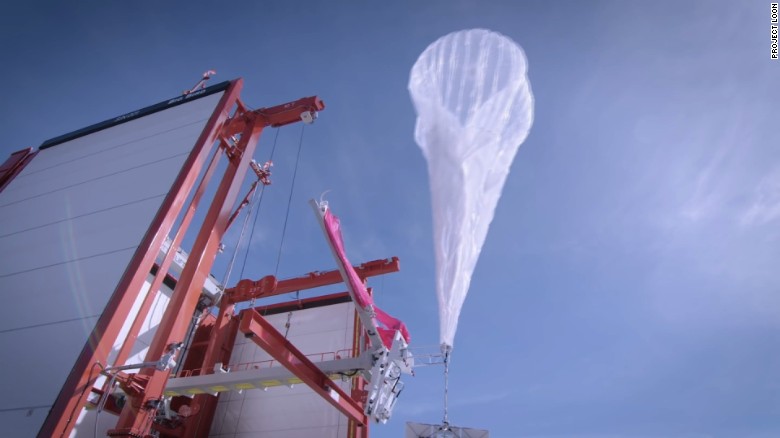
72,397
262,333
14,165
268,286
127,345
354,430
144,390
142,405
303,303
245,290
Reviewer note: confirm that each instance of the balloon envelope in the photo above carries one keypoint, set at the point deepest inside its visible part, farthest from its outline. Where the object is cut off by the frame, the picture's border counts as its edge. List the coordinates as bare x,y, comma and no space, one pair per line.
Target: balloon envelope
474,109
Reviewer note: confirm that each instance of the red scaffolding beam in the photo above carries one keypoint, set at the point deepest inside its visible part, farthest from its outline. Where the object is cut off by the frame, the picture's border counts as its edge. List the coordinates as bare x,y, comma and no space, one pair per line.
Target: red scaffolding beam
144,390
73,395
262,333
245,290
220,334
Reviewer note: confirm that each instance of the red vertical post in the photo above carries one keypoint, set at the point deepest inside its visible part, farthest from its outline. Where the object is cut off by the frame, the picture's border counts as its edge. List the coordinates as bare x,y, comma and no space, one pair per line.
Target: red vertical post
139,412
135,328
73,395
358,392
219,336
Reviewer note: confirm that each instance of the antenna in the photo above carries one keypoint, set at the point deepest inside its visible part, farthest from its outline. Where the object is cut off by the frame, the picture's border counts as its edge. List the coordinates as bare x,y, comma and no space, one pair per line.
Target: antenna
201,83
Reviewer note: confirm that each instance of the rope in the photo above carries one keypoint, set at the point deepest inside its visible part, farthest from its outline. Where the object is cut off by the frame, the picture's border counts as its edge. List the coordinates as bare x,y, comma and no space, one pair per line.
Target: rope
446,389
284,228
446,349
241,238
259,197
289,201
233,257
254,223
287,325
187,340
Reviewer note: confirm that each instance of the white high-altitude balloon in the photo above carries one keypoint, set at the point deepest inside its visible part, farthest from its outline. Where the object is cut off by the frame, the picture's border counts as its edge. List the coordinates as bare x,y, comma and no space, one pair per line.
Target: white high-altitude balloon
474,109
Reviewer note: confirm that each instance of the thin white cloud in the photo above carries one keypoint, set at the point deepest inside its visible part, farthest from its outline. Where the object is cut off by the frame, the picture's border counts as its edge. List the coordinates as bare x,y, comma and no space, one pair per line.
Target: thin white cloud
708,194
765,203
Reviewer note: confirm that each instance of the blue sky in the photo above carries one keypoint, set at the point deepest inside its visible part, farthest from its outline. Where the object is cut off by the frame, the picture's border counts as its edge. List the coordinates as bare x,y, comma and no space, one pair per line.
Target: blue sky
628,286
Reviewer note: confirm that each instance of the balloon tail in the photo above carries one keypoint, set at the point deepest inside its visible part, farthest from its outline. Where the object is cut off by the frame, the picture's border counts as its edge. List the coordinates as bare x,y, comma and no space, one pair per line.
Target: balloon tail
446,351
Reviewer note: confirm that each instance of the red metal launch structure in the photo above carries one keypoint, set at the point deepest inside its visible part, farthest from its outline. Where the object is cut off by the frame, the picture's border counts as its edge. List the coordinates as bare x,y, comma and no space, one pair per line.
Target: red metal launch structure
161,396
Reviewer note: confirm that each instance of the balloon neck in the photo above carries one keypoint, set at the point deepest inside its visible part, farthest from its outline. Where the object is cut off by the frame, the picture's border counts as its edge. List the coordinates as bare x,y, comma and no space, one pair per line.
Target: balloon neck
446,350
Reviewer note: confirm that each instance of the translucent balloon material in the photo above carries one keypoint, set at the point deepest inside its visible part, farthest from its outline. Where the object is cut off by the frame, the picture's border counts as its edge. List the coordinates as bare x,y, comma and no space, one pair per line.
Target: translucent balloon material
474,109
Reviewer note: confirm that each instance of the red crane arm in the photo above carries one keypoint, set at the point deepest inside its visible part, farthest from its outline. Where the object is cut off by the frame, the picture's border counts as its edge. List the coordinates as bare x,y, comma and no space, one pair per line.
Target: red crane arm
267,286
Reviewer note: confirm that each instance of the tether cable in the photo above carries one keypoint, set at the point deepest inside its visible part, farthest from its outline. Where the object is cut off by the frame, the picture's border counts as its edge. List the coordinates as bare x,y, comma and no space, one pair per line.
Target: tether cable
284,228
259,203
289,200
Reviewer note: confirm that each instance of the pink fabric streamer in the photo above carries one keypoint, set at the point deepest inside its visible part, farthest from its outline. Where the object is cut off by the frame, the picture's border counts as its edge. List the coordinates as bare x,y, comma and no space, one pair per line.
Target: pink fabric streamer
391,323
363,299
333,227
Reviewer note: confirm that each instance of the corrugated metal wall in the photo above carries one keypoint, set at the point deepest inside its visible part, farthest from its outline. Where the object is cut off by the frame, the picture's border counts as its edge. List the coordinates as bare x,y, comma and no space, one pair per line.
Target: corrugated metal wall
281,411
69,224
